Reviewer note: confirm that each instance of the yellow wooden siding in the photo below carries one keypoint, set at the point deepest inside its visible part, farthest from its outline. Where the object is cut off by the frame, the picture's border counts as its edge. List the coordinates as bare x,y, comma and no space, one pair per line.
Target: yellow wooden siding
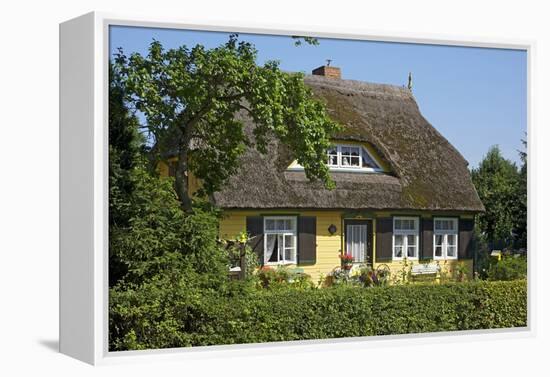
329,247
193,182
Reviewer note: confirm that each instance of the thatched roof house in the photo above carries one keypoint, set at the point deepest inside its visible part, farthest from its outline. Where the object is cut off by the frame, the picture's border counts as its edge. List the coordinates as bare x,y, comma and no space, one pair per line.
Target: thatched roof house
403,192
426,171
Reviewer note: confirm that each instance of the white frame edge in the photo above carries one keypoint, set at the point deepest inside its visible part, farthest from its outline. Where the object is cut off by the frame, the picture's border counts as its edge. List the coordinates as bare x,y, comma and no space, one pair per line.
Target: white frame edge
84,48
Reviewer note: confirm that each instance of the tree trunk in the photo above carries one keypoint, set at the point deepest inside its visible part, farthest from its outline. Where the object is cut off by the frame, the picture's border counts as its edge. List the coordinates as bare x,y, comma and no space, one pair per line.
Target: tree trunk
182,179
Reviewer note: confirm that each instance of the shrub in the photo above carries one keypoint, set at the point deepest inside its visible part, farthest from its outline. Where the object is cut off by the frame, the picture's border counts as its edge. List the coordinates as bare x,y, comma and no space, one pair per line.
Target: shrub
508,268
283,277
184,316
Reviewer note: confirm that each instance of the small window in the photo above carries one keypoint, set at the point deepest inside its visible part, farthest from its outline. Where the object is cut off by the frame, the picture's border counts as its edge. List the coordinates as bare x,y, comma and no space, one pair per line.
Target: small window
353,157
405,238
445,238
280,240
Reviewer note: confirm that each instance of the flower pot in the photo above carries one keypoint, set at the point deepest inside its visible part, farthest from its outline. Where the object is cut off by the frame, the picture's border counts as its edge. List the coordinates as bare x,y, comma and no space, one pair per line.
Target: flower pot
347,267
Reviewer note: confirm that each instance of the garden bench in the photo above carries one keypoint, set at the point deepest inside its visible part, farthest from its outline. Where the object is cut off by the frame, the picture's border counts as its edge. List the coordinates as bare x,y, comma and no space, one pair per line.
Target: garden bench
423,269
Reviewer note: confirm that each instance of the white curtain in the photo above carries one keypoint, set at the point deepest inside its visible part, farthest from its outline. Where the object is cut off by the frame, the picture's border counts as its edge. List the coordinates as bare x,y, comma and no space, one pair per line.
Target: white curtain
269,247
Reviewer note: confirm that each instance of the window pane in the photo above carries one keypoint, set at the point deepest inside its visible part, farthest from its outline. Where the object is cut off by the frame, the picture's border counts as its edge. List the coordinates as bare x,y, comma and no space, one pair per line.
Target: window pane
345,161
355,161
411,251
289,240
345,151
398,251
451,251
398,240
448,224
271,248
281,246
269,224
411,240
398,224
451,239
405,224
439,251
333,160
288,224
438,239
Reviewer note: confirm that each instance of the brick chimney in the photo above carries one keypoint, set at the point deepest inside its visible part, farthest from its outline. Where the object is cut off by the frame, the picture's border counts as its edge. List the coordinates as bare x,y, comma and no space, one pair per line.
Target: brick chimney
328,71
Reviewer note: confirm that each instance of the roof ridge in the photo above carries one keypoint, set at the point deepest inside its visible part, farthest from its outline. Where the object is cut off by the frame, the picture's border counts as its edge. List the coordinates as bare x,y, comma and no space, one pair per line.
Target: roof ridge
359,86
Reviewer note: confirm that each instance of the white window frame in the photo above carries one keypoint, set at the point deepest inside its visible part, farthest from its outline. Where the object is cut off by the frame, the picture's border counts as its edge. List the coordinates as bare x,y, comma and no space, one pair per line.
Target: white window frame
405,233
445,233
350,169
360,168
293,233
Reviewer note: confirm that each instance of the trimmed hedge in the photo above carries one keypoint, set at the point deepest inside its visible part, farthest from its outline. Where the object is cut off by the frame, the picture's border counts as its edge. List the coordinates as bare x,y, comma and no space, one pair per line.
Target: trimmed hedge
283,315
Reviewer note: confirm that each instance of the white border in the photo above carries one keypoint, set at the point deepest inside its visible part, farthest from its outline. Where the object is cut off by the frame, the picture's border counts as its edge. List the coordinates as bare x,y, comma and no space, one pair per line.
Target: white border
101,22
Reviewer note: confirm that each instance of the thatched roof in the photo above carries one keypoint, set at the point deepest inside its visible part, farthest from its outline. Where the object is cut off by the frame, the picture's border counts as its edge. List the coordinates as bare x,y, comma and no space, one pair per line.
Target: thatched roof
427,172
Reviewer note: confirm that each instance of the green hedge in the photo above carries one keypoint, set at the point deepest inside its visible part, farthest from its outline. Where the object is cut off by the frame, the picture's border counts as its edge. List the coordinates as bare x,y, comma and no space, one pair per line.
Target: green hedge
282,315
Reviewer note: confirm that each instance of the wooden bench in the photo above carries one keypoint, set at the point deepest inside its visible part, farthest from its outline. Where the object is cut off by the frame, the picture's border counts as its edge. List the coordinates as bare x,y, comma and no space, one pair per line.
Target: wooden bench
424,270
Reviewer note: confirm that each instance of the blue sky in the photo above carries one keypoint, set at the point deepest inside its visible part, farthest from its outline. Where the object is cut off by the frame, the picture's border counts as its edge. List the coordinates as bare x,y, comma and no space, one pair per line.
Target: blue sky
476,97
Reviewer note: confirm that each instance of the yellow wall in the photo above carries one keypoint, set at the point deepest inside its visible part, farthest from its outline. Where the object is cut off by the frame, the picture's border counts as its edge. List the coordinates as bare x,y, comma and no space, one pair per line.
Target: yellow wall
194,183
329,247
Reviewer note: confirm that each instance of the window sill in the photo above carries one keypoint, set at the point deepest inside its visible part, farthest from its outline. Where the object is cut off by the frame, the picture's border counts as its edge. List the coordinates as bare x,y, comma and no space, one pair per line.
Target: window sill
394,259
279,263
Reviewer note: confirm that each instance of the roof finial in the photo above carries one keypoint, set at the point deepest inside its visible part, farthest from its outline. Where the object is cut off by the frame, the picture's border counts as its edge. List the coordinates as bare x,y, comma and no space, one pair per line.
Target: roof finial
410,84
328,62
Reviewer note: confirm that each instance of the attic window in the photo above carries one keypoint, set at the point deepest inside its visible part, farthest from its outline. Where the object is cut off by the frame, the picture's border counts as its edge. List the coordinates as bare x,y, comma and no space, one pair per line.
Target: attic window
350,157
347,158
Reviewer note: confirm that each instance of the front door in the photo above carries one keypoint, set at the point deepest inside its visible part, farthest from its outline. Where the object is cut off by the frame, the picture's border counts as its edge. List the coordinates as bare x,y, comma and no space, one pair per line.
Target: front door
358,237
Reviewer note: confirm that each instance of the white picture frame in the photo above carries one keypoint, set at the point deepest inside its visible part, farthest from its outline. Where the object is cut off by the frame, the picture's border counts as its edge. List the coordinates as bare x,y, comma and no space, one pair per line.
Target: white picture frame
84,49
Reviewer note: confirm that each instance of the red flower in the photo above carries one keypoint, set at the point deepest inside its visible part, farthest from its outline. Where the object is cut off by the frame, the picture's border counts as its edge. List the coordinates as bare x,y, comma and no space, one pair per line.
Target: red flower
346,258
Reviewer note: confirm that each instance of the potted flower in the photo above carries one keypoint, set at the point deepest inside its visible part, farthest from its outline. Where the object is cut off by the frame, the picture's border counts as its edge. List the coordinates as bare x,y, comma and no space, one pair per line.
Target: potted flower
347,261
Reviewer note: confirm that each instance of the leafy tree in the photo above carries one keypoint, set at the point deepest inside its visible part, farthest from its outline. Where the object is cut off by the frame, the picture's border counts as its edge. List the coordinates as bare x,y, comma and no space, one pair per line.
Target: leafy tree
125,147
190,99
149,234
497,183
520,226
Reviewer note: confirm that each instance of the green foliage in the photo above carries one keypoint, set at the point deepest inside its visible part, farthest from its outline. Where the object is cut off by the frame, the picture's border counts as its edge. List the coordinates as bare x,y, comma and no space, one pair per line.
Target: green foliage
239,248
308,40
508,268
498,184
149,234
283,277
481,250
154,317
370,277
193,96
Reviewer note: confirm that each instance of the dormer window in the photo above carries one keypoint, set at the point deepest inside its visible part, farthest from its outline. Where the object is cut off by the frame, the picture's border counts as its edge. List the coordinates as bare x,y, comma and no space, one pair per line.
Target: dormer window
355,157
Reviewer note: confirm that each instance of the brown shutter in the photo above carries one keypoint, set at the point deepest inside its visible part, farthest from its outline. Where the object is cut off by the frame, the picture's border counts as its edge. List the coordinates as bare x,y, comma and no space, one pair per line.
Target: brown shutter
255,230
465,244
370,237
384,232
426,237
307,240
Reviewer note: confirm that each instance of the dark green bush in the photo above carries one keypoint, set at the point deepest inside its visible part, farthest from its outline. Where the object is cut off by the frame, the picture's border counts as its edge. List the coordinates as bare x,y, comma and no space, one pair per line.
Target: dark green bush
508,268
154,317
